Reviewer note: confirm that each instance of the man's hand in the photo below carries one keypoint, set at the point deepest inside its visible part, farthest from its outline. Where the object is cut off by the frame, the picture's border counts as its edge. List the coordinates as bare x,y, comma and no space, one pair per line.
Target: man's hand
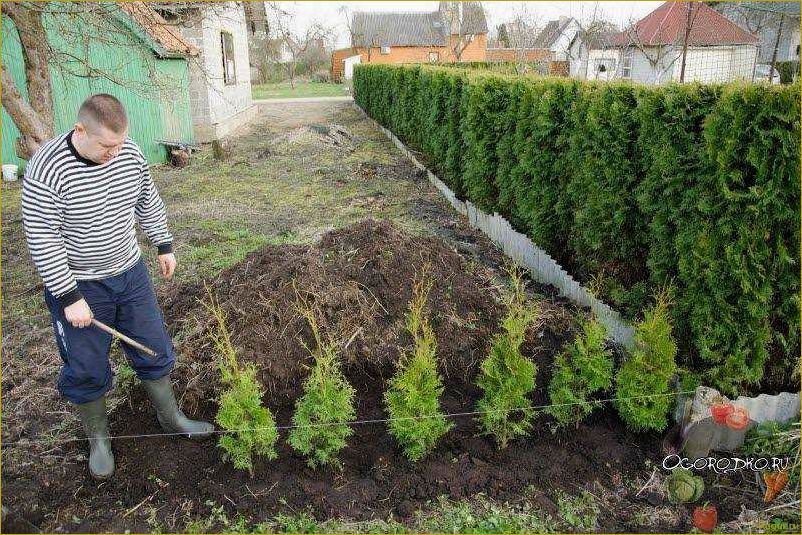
78,314
167,265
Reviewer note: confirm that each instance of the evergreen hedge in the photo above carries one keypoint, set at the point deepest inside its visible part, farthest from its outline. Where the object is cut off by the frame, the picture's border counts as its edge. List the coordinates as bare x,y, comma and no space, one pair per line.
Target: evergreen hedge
636,186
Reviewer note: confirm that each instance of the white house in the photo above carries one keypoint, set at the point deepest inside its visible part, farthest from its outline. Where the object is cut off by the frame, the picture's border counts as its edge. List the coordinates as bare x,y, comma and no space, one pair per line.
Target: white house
651,51
598,37
556,36
220,79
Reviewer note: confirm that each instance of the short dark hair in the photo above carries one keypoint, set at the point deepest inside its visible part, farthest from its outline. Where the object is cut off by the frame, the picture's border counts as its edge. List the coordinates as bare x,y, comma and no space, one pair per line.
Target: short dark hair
103,109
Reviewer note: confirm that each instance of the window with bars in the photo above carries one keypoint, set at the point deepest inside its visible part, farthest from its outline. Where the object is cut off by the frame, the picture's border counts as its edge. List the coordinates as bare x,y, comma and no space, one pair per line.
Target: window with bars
434,57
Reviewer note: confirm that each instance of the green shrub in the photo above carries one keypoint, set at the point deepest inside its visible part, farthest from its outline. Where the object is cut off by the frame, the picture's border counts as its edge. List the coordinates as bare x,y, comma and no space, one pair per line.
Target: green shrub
644,394
694,185
486,100
538,180
412,397
740,271
250,427
323,413
583,369
608,230
506,377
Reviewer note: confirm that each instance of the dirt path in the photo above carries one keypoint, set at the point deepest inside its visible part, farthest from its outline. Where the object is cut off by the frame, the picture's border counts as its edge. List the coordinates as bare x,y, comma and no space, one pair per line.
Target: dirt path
286,183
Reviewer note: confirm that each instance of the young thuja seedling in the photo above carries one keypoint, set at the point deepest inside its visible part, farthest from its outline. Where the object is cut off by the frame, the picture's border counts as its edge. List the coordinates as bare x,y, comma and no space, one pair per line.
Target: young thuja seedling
506,376
583,368
412,399
323,413
643,383
250,426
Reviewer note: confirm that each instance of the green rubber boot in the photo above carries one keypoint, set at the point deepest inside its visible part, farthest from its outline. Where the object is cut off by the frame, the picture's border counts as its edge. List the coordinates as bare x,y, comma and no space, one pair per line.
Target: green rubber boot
169,415
96,426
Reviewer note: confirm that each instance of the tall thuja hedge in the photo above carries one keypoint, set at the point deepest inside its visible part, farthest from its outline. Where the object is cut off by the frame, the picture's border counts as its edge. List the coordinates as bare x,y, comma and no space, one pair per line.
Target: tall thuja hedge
695,185
455,149
741,269
486,100
539,179
673,155
608,232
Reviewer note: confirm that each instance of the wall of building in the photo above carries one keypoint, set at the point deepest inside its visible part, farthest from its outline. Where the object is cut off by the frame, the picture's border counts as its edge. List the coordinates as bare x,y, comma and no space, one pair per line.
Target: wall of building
578,56
563,42
718,64
529,55
158,107
218,108
654,65
596,56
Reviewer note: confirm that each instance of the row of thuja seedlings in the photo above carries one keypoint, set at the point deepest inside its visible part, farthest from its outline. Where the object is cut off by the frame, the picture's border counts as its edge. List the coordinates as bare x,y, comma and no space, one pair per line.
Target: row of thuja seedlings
321,421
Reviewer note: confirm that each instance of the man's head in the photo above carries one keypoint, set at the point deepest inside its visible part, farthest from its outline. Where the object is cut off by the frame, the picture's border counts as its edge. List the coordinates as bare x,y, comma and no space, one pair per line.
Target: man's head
101,128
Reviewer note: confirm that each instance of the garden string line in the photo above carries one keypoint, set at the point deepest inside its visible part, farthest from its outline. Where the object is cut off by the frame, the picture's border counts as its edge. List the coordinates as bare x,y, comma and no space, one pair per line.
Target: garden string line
352,422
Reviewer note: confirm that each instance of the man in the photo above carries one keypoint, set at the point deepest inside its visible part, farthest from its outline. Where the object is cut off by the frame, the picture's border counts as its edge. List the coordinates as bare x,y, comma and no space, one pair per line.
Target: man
81,195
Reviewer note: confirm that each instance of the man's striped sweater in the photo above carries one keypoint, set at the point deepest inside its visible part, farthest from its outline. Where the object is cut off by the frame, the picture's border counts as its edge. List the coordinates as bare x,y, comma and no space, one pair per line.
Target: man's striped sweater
79,215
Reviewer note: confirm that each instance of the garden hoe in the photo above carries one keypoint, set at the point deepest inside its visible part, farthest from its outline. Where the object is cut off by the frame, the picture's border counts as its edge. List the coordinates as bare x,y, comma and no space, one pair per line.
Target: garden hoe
117,334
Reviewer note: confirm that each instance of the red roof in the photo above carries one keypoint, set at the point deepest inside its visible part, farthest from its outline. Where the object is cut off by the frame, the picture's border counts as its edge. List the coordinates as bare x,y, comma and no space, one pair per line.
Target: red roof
667,25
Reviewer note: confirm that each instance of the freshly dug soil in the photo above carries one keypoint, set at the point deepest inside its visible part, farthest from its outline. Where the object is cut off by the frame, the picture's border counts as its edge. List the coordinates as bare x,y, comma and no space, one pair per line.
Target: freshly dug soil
360,279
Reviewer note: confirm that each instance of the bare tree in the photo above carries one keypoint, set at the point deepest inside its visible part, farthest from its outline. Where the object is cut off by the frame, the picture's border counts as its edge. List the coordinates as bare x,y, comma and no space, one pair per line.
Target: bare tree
33,117
522,33
690,15
462,20
298,44
660,56
363,35
348,18
594,32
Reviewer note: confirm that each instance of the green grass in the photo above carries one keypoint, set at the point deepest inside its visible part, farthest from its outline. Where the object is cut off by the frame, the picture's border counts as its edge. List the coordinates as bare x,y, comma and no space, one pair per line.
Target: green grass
302,89
477,515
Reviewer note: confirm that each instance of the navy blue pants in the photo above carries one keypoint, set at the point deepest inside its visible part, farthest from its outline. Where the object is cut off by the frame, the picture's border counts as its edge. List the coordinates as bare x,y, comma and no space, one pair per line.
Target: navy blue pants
126,302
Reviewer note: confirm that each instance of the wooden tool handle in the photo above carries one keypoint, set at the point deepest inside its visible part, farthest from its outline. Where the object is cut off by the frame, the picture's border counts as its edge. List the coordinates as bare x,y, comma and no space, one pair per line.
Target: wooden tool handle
121,336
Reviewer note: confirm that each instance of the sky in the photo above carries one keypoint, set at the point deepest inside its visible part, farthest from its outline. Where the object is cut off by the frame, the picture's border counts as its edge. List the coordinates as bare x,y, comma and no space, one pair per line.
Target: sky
328,14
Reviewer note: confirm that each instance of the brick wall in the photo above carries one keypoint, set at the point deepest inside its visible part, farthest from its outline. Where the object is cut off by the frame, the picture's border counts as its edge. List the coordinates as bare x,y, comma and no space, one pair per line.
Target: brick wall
530,55
474,51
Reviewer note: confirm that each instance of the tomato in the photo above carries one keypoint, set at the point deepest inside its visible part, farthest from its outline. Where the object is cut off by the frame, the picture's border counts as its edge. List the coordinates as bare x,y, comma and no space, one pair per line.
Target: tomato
721,411
738,419
705,517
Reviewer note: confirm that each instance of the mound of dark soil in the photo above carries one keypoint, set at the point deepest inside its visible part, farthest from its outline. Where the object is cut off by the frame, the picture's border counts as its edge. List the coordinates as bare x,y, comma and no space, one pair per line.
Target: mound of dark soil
360,281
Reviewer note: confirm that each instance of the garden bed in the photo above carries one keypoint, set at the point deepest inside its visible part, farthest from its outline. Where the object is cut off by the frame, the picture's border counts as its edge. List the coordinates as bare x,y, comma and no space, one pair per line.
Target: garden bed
361,277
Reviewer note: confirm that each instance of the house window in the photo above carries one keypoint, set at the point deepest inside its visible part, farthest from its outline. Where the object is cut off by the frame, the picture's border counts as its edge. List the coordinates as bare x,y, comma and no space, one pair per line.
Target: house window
227,46
434,57
797,50
626,64
604,68
385,50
